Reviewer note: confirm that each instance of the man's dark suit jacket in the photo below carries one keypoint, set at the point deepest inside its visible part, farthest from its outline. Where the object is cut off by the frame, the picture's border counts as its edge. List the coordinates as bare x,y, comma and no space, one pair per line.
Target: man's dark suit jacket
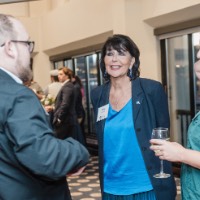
150,110
33,163
65,112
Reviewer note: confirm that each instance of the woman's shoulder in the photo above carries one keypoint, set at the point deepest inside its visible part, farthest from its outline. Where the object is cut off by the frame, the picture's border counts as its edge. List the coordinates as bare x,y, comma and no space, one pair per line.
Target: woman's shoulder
151,86
97,89
97,92
147,81
100,87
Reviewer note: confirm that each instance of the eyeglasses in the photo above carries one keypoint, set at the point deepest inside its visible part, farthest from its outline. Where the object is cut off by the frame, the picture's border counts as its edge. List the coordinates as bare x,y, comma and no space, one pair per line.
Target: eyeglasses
30,44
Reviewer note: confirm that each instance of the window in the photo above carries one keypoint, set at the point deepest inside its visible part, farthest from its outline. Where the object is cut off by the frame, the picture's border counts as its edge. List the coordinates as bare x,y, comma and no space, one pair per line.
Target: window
183,89
87,68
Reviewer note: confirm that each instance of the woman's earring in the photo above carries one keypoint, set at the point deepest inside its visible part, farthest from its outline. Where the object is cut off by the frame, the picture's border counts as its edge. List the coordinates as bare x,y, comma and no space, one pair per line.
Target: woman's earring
105,75
130,73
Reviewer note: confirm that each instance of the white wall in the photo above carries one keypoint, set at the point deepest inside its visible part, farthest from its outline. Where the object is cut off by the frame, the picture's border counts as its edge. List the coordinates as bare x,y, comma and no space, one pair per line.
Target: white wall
143,36
76,20
161,13
15,9
56,23
154,8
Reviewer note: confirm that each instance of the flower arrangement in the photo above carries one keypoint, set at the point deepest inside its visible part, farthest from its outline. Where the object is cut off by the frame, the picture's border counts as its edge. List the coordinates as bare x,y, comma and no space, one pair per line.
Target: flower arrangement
47,100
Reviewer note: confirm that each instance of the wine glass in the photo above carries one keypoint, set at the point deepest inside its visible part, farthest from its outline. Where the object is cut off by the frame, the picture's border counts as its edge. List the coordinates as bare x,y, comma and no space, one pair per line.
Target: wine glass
161,133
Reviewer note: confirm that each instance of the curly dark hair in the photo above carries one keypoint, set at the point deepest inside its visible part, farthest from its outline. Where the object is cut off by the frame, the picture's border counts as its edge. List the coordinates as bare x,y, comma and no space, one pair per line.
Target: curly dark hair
121,42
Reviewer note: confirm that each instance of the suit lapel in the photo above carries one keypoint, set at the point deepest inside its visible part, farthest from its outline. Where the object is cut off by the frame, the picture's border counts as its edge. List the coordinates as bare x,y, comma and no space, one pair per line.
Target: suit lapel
60,91
104,95
103,100
137,100
137,97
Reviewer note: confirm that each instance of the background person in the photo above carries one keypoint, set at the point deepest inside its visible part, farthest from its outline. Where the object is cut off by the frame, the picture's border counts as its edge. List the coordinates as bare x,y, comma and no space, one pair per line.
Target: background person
126,109
190,156
65,118
79,94
34,163
33,85
54,87
50,93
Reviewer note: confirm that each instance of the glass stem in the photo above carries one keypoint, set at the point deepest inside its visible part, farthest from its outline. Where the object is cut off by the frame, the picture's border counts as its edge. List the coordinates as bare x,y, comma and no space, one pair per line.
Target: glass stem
161,166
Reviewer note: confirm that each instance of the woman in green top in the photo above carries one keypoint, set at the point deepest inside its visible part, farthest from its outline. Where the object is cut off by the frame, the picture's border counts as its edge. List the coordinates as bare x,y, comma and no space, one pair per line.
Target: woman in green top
190,156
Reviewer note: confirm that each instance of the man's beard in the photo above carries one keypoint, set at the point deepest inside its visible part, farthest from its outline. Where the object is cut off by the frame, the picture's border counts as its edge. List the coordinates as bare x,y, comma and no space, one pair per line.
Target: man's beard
24,72
26,75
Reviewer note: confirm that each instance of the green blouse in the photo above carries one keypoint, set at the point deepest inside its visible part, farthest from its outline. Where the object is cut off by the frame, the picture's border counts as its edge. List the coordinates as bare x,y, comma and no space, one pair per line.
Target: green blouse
190,176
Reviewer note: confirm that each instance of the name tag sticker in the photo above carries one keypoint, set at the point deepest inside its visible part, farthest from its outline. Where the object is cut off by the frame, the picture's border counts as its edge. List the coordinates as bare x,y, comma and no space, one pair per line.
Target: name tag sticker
102,112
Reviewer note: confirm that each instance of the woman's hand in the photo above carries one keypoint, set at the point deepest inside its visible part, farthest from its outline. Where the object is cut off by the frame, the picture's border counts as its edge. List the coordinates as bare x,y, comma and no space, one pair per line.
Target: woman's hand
166,150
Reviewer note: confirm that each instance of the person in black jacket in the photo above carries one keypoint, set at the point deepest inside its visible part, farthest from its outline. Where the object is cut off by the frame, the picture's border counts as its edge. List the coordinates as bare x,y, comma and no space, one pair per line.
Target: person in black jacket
126,110
65,119
80,112
33,163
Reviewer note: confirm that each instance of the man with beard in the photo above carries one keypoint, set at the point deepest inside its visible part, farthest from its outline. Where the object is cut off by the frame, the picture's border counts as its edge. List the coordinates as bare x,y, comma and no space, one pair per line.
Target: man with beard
34,163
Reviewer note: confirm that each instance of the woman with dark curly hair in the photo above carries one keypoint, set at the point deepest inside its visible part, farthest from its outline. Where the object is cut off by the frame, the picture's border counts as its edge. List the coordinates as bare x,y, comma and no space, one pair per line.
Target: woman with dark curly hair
126,110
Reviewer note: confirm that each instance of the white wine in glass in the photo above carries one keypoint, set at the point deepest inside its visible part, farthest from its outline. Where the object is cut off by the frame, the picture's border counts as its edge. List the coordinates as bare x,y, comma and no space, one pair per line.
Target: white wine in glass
161,133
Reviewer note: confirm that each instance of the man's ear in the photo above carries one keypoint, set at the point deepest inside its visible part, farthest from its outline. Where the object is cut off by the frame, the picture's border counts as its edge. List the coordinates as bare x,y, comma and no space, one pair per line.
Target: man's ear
10,49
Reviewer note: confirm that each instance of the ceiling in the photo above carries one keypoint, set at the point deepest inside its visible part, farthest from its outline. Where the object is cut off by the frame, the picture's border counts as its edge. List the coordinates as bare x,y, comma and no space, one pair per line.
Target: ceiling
14,1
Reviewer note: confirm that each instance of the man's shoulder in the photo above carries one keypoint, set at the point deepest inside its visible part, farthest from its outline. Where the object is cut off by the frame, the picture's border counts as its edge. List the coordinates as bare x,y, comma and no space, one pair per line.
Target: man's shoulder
68,86
4,76
7,83
13,87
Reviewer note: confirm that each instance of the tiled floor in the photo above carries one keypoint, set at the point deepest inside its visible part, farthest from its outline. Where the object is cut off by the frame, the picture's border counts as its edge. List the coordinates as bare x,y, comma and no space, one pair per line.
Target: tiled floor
178,197
86,186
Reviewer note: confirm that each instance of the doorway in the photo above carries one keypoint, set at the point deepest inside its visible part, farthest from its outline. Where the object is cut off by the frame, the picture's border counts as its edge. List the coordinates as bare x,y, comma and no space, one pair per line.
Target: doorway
182,87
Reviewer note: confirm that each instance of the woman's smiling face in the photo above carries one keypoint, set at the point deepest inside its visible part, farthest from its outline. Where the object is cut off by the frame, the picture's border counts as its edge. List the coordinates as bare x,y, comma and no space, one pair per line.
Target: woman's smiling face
117,63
